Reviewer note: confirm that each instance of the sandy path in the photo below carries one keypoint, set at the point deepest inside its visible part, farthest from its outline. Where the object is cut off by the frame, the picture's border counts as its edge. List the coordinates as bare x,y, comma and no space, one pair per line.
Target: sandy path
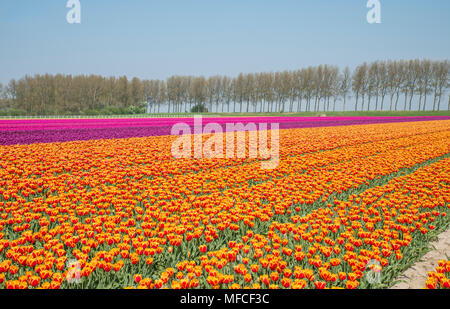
417,274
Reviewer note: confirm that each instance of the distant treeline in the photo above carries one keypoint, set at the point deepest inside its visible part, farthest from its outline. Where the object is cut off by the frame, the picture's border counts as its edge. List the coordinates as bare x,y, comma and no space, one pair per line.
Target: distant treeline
380,85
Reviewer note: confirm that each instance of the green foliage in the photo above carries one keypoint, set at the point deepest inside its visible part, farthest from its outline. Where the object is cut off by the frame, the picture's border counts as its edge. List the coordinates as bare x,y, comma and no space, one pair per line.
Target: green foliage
199,108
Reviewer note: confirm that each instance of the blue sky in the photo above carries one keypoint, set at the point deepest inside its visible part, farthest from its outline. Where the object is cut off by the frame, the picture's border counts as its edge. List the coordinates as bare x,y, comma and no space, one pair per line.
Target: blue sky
156,39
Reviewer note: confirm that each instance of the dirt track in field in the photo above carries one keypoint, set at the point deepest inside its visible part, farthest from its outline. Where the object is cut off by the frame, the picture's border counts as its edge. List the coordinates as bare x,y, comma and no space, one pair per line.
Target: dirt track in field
417,274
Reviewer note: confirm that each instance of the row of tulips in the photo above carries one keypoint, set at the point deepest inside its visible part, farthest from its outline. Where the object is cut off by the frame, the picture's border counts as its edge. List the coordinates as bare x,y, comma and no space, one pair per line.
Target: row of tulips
63,130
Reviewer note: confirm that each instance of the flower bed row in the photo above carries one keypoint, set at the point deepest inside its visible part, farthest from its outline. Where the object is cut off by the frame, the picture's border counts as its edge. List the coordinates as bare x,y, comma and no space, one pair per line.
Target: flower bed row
62,130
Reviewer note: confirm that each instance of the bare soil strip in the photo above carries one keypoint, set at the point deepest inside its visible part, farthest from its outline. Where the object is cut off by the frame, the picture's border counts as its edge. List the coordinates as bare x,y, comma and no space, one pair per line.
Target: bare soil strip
415,276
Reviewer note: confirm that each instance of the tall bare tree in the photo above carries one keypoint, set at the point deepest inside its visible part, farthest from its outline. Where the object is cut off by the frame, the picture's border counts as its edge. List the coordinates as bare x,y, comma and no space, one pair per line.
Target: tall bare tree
345,84
359,83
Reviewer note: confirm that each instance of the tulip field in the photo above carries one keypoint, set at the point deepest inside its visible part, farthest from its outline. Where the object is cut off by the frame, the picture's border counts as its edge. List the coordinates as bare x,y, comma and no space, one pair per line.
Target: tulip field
102,203
440,277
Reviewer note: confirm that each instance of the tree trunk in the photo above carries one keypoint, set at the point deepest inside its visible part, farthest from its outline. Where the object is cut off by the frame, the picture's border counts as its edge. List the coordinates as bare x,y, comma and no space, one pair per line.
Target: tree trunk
439,102
362,103
420,101
424,101
396,101
410,100
406,97
376,100
390,105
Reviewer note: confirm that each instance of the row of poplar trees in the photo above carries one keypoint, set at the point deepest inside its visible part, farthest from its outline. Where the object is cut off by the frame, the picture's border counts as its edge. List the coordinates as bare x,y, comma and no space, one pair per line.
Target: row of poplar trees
381,85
